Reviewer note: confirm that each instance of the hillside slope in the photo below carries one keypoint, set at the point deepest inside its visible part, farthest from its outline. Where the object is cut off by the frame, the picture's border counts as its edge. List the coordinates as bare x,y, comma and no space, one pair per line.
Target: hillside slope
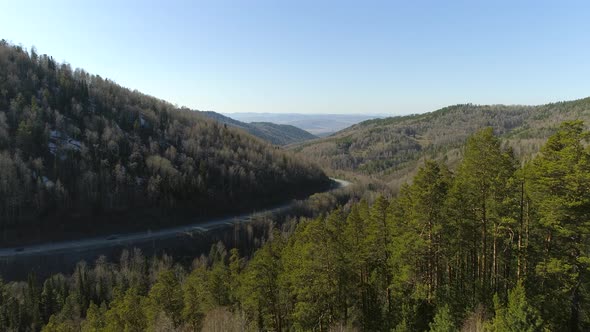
390,148
278,134
79,152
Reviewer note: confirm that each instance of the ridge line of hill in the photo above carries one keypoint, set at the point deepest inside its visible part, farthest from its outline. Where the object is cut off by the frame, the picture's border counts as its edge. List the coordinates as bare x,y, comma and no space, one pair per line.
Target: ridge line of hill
390,148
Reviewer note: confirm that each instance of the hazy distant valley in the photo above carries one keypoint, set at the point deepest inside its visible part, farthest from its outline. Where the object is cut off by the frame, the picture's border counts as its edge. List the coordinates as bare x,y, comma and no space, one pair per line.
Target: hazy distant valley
316,124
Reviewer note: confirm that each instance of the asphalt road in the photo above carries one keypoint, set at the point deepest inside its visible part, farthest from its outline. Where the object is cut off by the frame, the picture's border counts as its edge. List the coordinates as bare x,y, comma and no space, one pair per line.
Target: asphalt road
130,238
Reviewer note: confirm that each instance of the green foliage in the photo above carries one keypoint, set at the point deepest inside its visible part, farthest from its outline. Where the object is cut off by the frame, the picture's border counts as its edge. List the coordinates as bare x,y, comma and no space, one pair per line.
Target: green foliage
126,312
560,181
53,296
262,294
516,315
443,321
313,278
165,296
95,318
479,204
359,242
65,326
196,298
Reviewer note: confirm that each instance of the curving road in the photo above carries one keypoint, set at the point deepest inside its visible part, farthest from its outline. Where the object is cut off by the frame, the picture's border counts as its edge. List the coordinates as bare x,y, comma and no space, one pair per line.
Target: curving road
130,238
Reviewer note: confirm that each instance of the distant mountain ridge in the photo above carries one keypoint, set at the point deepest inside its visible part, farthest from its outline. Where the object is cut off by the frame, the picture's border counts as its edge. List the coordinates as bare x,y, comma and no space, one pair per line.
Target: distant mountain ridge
390,148
317,124
278,134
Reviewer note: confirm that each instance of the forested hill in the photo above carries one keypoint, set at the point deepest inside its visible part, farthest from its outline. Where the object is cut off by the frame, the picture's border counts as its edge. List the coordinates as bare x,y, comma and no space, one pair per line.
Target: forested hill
279,134
391,147
76,148
493,246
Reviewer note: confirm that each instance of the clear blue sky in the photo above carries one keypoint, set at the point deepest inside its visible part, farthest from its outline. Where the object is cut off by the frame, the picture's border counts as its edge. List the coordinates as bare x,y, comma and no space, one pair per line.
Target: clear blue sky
394,57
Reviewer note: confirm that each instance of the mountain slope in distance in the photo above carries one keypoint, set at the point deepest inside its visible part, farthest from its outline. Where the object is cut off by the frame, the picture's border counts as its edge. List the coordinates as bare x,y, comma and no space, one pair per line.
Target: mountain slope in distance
390,148
278,134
